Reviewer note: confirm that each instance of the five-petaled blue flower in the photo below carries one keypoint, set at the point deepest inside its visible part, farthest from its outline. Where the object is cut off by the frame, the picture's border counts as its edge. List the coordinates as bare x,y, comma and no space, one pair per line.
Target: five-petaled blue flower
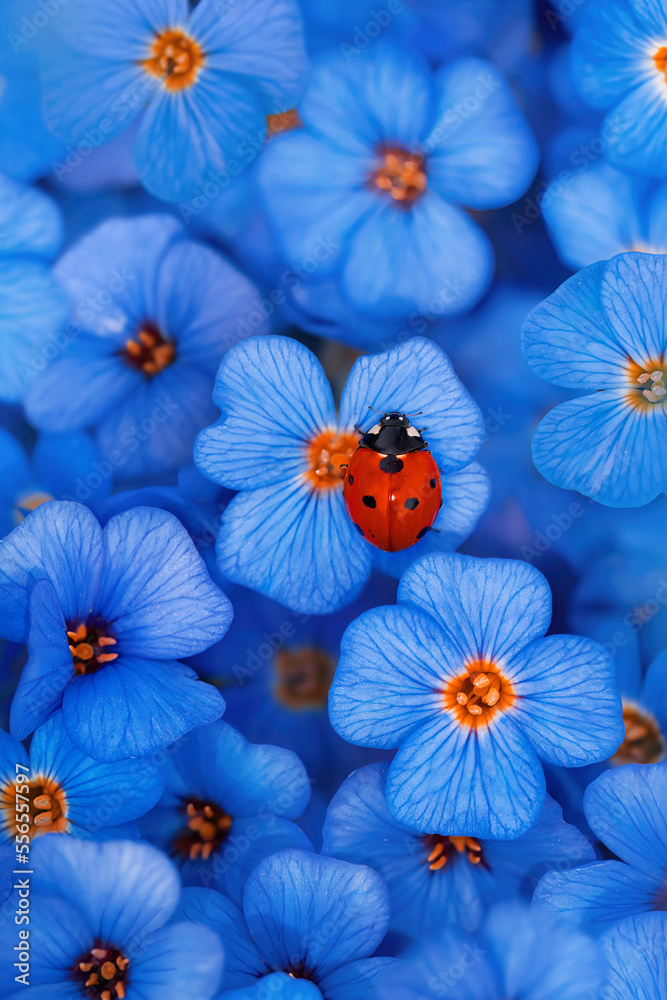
605,330
101,926
287,534
154,312
626,808
460,677
372,186
434,879
203,80
106,614
226,806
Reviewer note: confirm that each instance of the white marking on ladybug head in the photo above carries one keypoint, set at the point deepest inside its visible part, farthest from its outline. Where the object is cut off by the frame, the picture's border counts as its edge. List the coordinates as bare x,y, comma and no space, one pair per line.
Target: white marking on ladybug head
413,432
375,429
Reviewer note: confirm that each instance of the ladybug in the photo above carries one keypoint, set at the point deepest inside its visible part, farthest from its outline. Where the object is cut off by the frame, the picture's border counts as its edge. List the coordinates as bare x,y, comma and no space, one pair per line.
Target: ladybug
392,485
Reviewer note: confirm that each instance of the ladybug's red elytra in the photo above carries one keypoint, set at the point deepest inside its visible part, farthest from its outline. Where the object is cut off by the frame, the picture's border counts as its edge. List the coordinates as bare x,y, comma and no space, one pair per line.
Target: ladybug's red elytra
392,485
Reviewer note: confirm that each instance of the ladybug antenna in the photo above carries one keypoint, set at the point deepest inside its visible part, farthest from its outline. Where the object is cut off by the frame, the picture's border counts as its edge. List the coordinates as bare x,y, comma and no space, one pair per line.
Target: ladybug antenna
383,412
417,414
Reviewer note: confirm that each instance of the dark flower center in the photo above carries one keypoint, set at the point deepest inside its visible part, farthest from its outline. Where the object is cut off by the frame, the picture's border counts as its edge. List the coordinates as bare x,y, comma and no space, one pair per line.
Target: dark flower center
207,829
299,971
401,174
175,59
47,807
440,849
303,677
644,742
477,695
89,643
150,352
103,974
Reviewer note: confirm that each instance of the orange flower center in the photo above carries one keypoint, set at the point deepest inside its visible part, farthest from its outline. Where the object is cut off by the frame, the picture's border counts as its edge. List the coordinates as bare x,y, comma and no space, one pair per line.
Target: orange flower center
478,694
441,849
175,58
660,60
89,646
206,830
27,502
47,807
647,383
328,454
303,677
644,742
401,174
150,352
102,974
285,121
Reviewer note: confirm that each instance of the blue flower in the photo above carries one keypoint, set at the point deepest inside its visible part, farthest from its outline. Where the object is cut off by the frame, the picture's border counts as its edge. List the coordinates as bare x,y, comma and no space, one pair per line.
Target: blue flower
625,808
371,187
604,330
155,313
602,212
287,534
203,81
306,918
27,148
227,805
100,927
434,879
636,952
619,62
32,306
459,676
517,953
67,792
61,466
106,612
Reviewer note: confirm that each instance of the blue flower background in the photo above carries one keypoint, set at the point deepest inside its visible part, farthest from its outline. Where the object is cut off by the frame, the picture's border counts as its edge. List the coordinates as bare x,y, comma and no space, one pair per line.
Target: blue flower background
333,462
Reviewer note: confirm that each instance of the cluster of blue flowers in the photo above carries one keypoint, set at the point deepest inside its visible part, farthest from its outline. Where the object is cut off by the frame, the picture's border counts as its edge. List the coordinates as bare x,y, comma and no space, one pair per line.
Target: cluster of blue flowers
333,627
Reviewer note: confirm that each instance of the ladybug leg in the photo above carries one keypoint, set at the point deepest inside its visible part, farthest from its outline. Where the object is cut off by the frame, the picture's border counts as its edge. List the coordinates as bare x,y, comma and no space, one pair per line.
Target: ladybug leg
358,429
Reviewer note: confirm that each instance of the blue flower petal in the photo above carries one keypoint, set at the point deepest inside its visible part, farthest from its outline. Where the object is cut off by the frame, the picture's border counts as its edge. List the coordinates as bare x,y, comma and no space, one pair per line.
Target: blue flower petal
133,707
434,959
636,951
488,607
278,986
453,779
417,375
182,959
156,590
481,152
633,293
605,447
432,259
654,690
597,896
625,807
295,544
59,935
635,129
30,221
366,979
71,465
274,398
324,913
393,665
243,962
118,29
609,52
61,542
567,702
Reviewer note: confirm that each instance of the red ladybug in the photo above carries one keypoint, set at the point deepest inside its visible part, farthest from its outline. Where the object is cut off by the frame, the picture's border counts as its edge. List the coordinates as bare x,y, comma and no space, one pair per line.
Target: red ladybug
392,485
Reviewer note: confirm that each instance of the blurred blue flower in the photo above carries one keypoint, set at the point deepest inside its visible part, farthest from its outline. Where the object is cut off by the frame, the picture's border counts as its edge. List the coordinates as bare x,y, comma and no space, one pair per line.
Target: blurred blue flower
106,612
314,920
155,313
32,306
100,922
625,807
60,467
67,792
433,879
517,953
287,534
371,188
203,80
27,148
619,62
636,952
227,805
604,330
459,676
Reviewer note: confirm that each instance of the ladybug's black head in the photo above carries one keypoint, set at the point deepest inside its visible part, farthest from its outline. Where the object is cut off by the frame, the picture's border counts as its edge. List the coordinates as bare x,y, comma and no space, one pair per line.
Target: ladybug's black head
393,435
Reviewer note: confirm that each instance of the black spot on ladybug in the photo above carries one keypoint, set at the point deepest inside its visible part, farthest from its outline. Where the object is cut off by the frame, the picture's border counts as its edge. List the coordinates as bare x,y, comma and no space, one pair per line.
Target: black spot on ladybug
391,464
350,479
369,501
432,484
420,534
411,503
359,528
